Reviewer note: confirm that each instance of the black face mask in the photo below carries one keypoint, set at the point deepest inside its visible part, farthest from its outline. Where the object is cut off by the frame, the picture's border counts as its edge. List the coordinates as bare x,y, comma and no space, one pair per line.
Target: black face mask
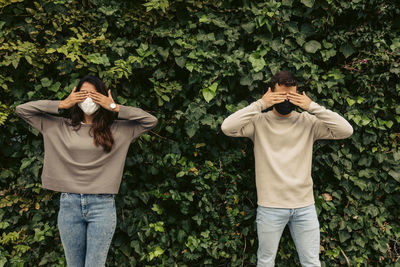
284,107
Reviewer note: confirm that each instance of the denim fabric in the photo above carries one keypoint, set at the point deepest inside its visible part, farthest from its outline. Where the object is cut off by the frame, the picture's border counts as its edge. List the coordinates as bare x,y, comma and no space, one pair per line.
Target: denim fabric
86,223
304,228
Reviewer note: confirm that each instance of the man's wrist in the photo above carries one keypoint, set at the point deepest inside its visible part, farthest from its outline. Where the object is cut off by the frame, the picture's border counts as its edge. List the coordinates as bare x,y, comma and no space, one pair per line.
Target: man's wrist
263,104
312,107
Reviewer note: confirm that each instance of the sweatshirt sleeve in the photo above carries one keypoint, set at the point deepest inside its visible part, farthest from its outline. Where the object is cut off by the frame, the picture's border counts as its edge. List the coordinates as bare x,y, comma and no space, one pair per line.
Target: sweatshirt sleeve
38,113
138,119
329,124
239,124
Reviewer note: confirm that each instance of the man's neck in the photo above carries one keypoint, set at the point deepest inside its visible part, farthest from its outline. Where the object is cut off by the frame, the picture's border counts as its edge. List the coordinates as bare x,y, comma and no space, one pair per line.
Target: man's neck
280,115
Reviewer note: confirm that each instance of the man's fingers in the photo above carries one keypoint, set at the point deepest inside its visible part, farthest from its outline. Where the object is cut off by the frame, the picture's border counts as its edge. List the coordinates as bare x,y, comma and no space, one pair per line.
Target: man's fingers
277,101
109,93
294,94
295,97
279,97
297,103
73,90
279,93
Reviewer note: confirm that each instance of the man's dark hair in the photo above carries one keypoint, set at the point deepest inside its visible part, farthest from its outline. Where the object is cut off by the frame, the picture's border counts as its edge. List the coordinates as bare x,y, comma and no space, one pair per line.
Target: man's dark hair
283,77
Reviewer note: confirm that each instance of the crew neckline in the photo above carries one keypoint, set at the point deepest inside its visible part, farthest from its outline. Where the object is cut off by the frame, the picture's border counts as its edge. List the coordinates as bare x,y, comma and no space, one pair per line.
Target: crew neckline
276,117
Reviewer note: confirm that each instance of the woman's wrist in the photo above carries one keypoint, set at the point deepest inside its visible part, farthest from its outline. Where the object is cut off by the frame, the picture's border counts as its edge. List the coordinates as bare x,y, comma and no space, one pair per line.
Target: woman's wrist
61,105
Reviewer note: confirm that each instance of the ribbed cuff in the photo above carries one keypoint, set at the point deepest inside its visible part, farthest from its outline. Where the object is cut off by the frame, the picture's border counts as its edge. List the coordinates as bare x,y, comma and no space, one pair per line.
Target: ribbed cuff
53,106
261,104
313,107
123,112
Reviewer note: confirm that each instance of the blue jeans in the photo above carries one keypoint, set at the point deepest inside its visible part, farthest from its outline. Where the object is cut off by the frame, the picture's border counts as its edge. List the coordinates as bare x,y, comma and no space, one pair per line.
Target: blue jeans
304,228
86,223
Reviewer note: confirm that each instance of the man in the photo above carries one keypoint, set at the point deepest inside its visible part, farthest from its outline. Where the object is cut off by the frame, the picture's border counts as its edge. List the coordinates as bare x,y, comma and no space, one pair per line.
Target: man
283,142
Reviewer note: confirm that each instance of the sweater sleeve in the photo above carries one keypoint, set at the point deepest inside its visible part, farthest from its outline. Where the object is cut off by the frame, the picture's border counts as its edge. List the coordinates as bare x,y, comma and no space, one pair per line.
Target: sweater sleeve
139,120
329,124
239,124
37,113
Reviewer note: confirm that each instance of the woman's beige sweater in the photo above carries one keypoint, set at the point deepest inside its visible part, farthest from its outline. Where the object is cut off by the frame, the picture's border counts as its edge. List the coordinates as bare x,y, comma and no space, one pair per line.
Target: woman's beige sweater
72,163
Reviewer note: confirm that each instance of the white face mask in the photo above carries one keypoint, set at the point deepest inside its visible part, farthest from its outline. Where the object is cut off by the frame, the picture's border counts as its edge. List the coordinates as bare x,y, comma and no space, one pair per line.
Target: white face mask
88,106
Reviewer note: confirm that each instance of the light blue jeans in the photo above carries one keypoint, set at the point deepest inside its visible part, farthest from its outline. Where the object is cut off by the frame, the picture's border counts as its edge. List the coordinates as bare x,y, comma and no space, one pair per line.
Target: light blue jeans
86,223
304,228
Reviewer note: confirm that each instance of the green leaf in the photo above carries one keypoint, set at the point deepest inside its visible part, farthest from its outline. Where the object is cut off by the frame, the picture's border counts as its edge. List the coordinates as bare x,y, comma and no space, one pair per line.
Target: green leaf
350,101
257,61
46,82
389,124
98,58
395,44
347,50
213,87
180,61
395,175
208,95
249,27
312,46
343,236
308,3
396,156
15,60
209,92
156,252
55,86
204,19
191,130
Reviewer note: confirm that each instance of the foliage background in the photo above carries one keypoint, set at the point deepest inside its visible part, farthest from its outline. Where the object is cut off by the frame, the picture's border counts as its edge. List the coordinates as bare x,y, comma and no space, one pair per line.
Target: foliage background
188,192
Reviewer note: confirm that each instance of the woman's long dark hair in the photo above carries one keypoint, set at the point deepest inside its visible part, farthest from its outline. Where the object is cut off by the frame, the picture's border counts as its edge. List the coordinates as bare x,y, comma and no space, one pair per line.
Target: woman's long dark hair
102,120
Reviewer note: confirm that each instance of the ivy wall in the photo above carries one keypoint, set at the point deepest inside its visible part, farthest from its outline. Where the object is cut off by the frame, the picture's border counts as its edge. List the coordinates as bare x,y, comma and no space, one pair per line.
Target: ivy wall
188,192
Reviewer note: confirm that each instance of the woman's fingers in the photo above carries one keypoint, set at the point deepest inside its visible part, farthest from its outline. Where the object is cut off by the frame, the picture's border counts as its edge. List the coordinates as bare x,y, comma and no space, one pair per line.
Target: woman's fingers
96,99
96,95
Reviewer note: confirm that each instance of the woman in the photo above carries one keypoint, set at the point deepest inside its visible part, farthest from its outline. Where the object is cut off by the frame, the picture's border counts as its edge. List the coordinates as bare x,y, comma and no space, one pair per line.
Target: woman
84,159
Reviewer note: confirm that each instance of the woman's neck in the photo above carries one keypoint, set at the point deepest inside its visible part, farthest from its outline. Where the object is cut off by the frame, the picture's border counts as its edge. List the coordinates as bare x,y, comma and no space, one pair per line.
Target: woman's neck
88,119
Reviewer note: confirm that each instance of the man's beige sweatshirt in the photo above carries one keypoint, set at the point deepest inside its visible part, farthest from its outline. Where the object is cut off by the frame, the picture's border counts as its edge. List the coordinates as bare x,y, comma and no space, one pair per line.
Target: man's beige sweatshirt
283,149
